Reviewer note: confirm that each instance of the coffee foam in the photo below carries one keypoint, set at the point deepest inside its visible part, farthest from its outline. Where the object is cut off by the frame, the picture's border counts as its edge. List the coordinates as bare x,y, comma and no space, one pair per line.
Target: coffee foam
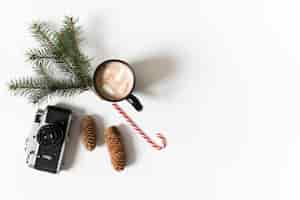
114,80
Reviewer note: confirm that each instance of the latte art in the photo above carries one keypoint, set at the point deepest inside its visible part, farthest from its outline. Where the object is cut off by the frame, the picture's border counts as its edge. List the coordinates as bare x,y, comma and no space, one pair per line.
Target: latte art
114,80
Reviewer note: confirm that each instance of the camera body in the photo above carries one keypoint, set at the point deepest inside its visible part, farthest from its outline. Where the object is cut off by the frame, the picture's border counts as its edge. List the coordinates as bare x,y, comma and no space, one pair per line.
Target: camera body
46,143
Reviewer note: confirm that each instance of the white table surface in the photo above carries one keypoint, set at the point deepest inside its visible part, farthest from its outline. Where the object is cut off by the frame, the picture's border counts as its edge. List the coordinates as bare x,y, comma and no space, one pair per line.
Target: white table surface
219,78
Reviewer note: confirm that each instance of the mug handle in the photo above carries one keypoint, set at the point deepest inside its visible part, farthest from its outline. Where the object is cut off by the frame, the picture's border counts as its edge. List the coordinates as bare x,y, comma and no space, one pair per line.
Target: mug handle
135,102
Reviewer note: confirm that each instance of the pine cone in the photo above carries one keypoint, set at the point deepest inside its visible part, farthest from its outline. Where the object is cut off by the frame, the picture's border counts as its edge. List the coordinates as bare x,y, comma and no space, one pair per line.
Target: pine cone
115,148
88,131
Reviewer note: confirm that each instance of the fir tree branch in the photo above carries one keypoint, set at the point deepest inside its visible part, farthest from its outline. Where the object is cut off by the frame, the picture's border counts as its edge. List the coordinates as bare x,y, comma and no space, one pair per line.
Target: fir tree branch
59,48
28,87
69,41
26,83
38,90
63,48
39,55
70,25
63,88
42,70
48,39
42,33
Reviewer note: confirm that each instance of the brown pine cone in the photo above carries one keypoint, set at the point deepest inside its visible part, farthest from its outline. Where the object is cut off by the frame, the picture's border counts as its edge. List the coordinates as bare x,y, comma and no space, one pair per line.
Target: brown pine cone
115,148
88,131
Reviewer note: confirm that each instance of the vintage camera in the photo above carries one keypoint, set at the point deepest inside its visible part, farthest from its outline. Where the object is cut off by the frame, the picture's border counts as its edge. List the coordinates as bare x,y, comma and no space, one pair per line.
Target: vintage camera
46,142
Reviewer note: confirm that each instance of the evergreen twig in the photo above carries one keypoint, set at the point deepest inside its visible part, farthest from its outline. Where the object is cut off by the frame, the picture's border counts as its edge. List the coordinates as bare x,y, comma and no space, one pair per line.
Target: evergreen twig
48,40
38,89
60,50
68,41
39,55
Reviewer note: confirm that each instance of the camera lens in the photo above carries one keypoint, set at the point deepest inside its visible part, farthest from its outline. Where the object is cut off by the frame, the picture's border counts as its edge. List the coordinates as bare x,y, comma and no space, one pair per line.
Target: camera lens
50,134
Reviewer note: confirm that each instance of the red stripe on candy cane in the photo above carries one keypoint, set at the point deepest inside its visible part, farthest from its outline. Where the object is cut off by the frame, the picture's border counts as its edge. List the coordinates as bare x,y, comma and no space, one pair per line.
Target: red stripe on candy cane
140,131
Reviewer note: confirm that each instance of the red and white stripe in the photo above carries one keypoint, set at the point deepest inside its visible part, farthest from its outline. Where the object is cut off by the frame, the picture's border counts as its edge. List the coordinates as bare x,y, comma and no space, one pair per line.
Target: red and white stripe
140,131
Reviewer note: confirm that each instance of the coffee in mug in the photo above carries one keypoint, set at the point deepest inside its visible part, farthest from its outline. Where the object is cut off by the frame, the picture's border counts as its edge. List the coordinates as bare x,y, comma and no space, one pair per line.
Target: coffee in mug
114,80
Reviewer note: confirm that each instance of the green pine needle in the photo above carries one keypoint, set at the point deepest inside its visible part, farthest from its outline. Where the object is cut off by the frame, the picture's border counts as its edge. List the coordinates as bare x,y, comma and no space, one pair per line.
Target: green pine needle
38,90
59,51
39,55
68,41
44,35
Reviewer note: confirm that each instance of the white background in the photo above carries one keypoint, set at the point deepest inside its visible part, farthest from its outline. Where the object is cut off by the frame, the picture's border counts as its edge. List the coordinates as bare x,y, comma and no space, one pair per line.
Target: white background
219,78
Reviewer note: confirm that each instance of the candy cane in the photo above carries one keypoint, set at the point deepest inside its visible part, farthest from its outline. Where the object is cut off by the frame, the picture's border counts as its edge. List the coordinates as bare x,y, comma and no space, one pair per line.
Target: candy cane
140,131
